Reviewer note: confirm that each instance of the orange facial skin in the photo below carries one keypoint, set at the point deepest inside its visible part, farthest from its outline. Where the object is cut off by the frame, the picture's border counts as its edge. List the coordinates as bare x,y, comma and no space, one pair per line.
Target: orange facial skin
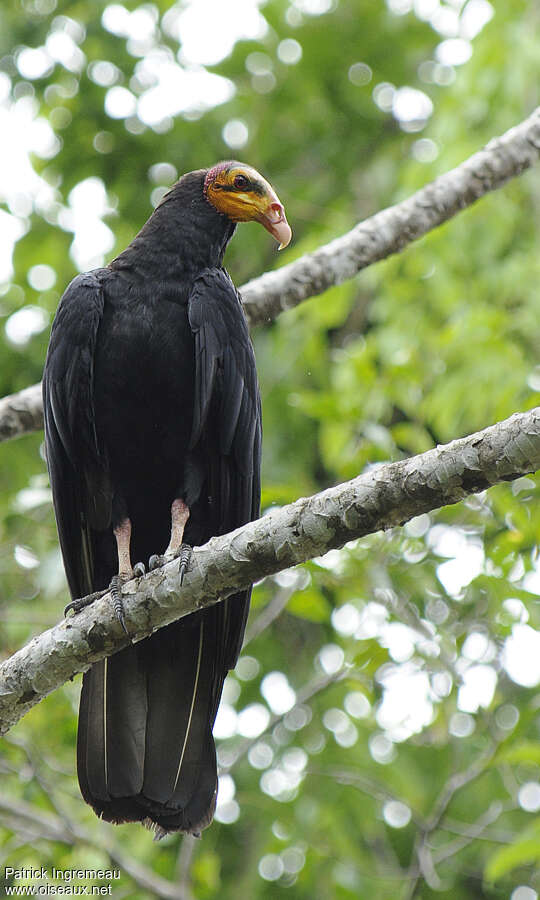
241,193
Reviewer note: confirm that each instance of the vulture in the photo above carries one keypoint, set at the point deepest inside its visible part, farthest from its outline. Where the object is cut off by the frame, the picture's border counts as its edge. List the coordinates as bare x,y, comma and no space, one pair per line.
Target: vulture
153,443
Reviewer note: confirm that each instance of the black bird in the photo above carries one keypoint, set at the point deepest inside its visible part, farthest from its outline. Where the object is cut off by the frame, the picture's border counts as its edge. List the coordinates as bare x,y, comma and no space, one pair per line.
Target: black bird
153,435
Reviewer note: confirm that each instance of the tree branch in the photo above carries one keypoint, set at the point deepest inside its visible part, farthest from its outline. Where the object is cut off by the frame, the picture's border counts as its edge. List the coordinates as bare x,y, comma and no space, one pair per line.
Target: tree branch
385,496
314,687
376,238
422,847
38,824
21,413
392,229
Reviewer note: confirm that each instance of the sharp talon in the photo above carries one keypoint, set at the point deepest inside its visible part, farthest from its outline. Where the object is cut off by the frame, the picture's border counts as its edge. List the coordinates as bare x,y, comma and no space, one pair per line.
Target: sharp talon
75,606
139,569
82,602
184,555
115,588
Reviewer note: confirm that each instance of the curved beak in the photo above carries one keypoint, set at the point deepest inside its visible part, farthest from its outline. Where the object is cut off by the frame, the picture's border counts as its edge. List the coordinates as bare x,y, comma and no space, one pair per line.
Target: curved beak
275,221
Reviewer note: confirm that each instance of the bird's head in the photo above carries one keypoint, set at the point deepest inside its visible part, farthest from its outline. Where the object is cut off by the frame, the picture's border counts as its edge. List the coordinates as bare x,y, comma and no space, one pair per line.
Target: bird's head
239,192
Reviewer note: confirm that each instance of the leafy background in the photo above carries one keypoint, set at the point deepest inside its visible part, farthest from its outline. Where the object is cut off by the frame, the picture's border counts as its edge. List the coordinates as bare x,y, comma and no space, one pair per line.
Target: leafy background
381,736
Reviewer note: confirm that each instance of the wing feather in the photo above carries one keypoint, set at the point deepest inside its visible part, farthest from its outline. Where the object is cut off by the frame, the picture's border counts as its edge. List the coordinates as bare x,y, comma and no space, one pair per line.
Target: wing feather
70,431
227,416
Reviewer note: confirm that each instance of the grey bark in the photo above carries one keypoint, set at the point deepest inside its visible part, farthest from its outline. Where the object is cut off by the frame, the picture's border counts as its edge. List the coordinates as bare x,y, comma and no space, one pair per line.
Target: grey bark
383,497
21,413
378,237
392,229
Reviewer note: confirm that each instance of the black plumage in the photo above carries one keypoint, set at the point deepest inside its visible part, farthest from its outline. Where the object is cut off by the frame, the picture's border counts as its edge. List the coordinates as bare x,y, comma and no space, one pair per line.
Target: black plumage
150,397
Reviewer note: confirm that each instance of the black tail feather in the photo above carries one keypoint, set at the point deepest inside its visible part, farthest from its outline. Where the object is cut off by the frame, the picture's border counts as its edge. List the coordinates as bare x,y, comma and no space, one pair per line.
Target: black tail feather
145,747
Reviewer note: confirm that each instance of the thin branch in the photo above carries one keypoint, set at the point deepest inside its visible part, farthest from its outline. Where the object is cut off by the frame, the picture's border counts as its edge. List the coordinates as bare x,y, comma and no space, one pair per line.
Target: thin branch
304,695
392,229
456,783
37,824
474,832
422,849
184,860
366,785
32,823
36,765
269,614
385,496
376,238
471,832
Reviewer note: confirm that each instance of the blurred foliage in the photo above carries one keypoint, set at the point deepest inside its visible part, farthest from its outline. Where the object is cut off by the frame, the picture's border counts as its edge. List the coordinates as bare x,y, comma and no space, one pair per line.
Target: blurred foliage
408,765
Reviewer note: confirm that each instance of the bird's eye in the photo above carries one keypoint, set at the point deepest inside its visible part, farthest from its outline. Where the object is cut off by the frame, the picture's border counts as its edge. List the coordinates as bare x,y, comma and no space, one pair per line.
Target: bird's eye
241,182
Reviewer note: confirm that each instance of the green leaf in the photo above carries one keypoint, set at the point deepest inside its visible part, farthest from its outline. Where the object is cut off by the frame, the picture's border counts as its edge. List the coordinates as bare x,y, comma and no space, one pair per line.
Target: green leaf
524,753
524,851
309,604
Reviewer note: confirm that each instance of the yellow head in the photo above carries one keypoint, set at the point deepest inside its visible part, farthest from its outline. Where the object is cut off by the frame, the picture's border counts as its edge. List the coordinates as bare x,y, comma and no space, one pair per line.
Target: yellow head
239,192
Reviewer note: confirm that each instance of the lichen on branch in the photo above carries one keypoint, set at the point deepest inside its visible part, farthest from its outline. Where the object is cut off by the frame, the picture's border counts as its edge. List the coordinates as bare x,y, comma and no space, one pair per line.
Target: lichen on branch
383,497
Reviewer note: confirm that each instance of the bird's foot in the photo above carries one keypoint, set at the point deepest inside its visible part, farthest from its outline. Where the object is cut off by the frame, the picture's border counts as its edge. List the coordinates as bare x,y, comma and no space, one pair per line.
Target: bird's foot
158,560
115,588
82,602
183,553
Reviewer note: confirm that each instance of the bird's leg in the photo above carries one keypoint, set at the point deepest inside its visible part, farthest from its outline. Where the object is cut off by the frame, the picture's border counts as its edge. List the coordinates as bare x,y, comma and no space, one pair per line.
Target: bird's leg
122,533
179,517
176,549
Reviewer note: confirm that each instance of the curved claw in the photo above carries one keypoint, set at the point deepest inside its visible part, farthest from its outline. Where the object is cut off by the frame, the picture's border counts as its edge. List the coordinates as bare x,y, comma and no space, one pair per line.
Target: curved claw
184,555
139,569
82,602
115,588
75,606
155,562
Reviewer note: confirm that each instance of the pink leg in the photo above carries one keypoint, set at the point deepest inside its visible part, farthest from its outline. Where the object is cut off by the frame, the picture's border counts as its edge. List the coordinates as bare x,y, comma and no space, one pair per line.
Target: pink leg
122,534
176,549
179,517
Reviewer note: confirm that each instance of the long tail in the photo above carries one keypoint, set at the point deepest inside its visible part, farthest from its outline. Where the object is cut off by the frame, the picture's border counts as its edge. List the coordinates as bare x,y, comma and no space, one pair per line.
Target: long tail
145,750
